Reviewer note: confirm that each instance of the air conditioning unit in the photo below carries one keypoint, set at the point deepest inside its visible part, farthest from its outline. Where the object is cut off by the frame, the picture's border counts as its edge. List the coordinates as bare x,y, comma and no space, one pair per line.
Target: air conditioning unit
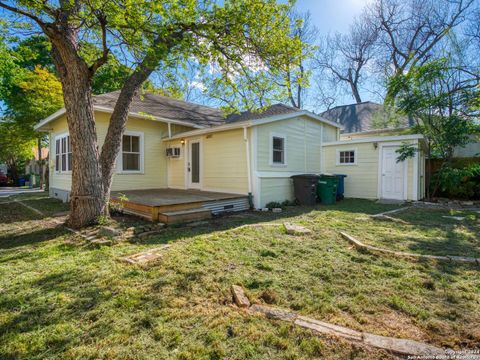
173,152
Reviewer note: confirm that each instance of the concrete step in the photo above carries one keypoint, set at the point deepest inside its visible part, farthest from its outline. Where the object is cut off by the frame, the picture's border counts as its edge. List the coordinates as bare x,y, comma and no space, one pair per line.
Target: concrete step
172,217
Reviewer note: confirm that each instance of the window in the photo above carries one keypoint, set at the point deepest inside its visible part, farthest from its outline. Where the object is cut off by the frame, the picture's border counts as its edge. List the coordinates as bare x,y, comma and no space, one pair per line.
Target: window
131,159
346,157
63,153
278,150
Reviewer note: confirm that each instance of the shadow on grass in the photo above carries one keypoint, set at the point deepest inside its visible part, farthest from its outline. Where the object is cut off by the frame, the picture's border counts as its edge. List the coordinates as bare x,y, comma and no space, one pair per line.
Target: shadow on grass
234,220
45,310
32,237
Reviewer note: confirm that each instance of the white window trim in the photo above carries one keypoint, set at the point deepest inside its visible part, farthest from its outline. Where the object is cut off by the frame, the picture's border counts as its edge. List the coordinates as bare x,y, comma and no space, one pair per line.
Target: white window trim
142,154
60,137
337,157
284,137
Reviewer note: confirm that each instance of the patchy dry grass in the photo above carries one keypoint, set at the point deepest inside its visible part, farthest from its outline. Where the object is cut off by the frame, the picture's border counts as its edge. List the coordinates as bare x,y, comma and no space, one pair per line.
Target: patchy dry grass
428,232
64,301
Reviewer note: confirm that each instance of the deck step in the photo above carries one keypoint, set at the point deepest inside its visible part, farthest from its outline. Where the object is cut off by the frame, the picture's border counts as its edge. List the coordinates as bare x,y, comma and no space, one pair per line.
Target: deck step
184,215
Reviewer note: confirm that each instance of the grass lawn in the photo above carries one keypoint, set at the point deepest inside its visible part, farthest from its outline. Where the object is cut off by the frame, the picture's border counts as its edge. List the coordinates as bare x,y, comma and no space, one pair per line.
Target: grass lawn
61,301
427,232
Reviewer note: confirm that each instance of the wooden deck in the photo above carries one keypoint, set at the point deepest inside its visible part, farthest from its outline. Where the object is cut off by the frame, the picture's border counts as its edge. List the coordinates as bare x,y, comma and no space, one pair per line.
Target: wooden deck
172,205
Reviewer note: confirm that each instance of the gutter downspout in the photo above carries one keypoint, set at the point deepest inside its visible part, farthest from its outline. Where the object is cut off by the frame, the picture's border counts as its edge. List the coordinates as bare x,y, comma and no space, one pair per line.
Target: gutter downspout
169,130
249,167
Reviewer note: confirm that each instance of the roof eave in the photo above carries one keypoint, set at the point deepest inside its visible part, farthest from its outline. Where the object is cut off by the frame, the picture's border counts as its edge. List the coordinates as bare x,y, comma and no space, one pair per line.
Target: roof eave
62,111
249,123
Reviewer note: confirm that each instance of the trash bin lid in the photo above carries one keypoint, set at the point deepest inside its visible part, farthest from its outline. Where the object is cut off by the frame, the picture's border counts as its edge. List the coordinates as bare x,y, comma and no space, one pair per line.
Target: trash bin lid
328,175
341,175
305,176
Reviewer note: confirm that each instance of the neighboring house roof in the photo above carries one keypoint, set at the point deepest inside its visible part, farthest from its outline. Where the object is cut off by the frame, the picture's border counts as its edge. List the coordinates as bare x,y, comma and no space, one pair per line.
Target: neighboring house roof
277,109
365,116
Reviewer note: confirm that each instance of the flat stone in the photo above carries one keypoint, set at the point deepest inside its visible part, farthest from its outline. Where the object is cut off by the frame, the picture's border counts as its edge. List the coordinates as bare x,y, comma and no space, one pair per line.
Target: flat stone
145,256
329,329
467,203
101,242
277,210
389,218
265,209
274,313
458,218
351,239
464,259
239,297
149,233
401,346
109,231
390,202
294,229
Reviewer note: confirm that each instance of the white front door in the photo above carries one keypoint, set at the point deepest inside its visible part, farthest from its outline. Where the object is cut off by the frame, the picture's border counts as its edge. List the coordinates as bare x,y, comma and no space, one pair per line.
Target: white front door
393,175
193,165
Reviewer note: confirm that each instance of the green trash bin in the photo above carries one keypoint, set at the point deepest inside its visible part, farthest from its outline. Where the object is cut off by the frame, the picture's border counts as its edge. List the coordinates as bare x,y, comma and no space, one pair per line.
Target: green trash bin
327,189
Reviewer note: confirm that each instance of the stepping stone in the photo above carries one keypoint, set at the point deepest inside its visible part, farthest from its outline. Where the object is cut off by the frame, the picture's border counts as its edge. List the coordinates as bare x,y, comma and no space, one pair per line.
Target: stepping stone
329,329
239,297
274,313
277,210
101,242
401,346
293,229
389,218
109,231
149,233
458,218
145,256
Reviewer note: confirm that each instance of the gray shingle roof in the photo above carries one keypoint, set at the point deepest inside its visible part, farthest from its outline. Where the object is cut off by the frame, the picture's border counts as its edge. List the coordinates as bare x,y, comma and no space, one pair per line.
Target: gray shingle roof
166,108
277,109
366,116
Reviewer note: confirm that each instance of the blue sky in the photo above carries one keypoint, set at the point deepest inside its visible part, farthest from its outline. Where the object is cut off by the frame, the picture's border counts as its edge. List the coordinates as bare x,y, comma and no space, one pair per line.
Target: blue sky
331,15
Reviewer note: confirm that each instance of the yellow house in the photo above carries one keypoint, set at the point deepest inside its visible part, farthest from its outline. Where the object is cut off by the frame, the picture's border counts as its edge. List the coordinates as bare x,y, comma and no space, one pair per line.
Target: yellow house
247,157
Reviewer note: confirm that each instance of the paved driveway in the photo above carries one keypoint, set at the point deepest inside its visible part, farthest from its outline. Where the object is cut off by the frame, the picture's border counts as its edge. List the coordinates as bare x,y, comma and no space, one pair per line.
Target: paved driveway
8,191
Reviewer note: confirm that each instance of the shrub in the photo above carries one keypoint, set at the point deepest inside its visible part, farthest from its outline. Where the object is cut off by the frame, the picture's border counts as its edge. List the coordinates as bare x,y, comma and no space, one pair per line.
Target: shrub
459,182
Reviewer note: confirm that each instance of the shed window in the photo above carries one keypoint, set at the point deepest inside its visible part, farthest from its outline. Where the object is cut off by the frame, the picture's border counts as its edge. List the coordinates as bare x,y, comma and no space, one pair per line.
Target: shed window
278,150
63,154
347,157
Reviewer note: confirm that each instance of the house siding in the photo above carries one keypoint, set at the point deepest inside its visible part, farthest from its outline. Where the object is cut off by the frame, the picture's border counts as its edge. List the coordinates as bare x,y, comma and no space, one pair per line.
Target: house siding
362,178
155,161
223,162
303,155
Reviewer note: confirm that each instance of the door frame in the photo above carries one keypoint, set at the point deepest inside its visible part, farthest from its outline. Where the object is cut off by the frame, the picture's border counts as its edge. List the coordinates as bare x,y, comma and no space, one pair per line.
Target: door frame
380,170
188,183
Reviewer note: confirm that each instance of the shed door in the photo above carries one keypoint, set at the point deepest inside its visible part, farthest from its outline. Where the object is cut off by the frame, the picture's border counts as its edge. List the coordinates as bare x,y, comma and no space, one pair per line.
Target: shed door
393,175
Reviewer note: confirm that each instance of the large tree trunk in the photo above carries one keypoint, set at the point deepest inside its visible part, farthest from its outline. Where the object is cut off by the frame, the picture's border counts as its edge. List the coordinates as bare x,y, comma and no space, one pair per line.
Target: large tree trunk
116,128
87,201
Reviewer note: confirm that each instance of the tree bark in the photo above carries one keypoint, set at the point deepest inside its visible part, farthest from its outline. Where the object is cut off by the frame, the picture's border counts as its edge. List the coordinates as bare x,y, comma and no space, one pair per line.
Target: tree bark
116,127
87,201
